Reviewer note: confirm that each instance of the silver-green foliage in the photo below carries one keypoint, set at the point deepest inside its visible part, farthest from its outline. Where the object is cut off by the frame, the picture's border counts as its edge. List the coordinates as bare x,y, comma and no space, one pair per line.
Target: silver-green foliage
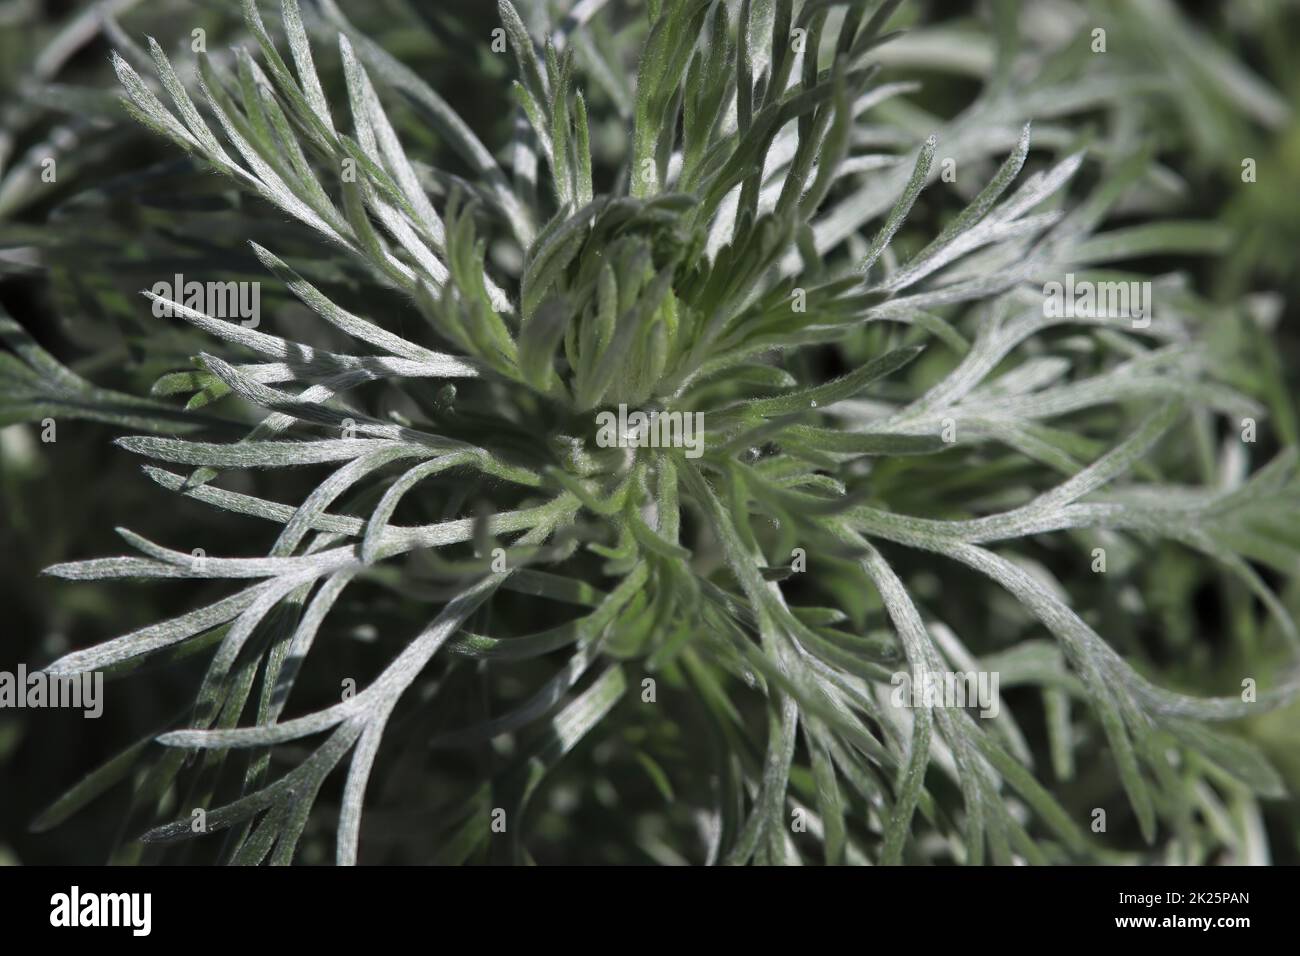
756,175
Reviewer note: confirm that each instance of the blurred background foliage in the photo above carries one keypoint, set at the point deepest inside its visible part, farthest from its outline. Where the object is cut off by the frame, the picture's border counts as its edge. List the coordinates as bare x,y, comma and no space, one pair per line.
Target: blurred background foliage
1207,83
